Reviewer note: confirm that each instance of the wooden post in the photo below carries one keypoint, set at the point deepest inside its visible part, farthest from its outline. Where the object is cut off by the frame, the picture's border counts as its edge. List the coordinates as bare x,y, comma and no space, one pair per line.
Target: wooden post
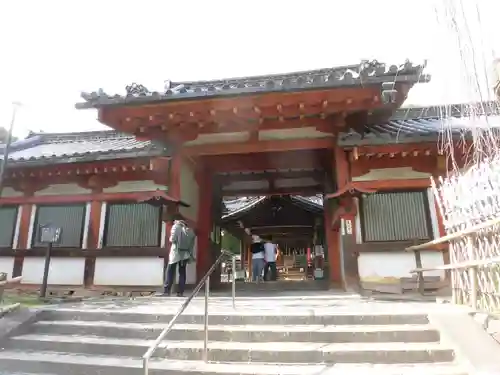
473,285
420,275
24,239
93,239
249,252
204,222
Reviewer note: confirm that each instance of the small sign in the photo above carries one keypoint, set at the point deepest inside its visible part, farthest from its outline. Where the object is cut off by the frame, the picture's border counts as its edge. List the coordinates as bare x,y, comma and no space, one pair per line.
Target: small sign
348,227
50,234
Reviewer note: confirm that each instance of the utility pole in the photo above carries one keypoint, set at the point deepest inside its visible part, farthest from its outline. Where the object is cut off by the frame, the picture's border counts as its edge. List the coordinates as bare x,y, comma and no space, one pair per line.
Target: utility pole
3,166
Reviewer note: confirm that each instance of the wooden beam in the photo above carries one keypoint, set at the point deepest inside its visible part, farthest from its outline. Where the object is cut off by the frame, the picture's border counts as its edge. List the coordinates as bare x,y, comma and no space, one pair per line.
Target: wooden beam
259,147
75,198
126,251
392,149
286,160
128,165
327,124
309,190
416,183
269,176
355,98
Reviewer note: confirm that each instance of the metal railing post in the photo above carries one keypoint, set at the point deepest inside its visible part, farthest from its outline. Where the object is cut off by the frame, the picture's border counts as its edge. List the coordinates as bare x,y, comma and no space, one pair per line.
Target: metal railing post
473,285
233,286
205,343
204,280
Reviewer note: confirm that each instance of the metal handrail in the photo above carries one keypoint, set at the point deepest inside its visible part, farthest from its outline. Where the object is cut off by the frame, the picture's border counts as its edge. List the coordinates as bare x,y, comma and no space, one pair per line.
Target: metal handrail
205,280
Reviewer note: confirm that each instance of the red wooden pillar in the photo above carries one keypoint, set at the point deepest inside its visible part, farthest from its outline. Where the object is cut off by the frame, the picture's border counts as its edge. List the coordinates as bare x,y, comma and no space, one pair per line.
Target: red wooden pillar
333,248
93,237
341,167
342,177
174,190
204,221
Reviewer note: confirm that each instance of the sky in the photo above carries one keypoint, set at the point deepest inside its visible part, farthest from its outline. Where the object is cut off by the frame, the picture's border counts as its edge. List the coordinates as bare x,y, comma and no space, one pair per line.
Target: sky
52,50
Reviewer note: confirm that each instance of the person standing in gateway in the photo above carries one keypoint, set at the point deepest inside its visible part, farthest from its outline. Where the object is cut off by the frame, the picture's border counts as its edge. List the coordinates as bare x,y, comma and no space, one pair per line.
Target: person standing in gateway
258,262
182,239
270,254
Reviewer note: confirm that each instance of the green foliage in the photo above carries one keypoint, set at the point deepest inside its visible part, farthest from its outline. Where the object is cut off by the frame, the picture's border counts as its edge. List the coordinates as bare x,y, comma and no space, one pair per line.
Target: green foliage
4,133
230,243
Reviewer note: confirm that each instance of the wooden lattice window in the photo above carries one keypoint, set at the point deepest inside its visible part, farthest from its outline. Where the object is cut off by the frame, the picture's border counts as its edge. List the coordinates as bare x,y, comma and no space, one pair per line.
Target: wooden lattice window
8,219
69,217
132,224
395,216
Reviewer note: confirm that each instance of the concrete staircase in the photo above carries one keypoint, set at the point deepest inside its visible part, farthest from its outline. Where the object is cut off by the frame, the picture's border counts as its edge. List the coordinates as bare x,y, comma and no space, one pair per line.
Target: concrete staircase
111,338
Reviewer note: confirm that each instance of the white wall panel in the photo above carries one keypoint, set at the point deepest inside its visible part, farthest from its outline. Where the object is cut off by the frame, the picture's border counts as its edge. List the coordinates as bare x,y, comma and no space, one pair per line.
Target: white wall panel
129,271
7,266
63,189
392,265
62,271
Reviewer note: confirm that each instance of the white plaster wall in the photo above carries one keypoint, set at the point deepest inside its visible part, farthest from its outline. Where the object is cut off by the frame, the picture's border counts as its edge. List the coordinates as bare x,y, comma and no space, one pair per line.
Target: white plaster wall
390,265
301,133
189,191
391,174
63,189
7,266
133,186
219,138
62,271
9,192
128,271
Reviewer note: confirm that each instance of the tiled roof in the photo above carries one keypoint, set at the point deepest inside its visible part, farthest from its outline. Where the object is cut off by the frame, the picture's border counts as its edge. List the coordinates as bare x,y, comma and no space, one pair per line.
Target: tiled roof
233,206
316,200
426,124
42,148
350,75
243,204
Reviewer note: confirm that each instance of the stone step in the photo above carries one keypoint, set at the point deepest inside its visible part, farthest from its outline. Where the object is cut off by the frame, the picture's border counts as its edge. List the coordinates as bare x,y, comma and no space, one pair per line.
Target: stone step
243,333
293,282
44,363
241,317
223,351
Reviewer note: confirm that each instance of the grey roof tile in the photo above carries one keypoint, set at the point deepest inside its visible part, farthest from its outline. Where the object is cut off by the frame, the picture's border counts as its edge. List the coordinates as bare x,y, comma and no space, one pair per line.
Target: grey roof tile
78,147
243,204
350,75
426,124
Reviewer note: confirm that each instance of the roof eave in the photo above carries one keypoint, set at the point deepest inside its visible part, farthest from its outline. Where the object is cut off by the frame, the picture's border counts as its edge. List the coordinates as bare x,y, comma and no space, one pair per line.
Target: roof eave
242,210
432,138
101,102
85,158
306,204
359,141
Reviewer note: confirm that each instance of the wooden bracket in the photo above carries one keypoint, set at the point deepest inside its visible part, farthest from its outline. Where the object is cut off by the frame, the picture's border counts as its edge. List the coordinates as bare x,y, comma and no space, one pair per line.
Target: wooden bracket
351,189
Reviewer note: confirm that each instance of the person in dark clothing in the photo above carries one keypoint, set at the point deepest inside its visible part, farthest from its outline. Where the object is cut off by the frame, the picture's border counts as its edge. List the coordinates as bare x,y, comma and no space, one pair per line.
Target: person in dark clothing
182,239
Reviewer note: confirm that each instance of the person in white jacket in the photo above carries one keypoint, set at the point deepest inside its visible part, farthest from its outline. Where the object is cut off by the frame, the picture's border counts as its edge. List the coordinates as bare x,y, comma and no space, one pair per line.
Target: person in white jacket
182,239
